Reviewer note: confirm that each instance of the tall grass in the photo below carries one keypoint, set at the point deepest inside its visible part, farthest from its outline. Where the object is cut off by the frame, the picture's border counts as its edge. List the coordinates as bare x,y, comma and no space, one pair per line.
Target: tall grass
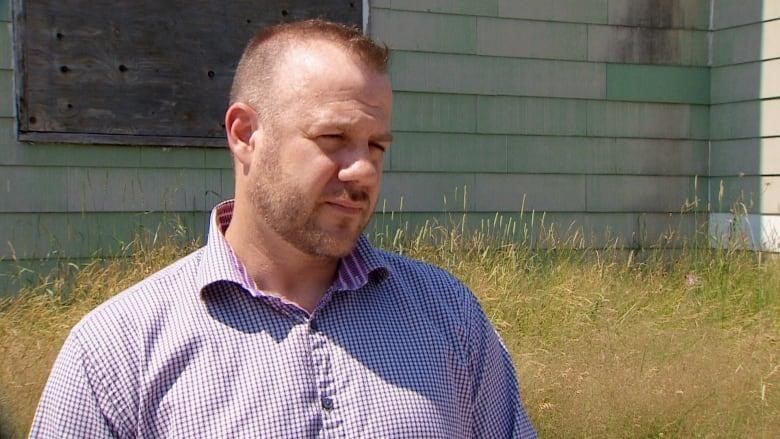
608,342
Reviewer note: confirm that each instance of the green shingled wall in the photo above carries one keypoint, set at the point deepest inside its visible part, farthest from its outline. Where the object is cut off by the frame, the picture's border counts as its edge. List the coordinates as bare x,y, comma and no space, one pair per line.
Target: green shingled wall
596,115
595,112
745,121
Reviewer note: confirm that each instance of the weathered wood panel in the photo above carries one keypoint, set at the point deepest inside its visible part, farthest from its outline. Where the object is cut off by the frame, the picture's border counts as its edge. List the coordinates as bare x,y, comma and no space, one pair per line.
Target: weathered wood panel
752,157
641,45
75,235
685,14
492,75
141,72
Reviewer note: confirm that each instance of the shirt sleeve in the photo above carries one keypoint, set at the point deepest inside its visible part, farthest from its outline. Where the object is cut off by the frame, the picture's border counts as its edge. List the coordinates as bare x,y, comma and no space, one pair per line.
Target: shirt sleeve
497,403
70,406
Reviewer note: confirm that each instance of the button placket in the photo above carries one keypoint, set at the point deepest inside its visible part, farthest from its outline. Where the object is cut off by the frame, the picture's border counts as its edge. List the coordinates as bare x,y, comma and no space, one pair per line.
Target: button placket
322,364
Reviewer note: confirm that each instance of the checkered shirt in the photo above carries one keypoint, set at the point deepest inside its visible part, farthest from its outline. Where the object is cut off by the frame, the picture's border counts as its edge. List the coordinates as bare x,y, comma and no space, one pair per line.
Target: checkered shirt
396,349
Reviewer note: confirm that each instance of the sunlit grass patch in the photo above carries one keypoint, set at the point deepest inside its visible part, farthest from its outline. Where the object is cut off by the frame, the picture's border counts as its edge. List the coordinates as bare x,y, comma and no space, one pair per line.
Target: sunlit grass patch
608,342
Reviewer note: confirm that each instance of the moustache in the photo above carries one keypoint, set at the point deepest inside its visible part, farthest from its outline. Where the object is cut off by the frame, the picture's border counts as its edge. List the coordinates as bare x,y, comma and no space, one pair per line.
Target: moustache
351,194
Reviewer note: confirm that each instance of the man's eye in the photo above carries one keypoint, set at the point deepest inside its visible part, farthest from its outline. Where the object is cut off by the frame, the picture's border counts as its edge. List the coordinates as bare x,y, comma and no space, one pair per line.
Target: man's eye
378,146
332,136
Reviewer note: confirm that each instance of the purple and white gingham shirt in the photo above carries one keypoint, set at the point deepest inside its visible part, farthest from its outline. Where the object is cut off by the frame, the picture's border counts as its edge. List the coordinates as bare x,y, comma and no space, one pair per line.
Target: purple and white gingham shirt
396,348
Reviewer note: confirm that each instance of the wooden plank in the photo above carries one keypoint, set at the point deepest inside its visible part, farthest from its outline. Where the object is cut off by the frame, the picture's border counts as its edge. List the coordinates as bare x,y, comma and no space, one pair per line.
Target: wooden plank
728,13
6,94
755,42
604,155
33,189
639,193
745,157
5,10
668,14
126,189
419,191
576,11
744,82
76,235
522,115
402,30
444,152
6,46
488,75
131,61
747,119
562,41
120,139
460,7
434,112
642,83
648,120
639,45
539,192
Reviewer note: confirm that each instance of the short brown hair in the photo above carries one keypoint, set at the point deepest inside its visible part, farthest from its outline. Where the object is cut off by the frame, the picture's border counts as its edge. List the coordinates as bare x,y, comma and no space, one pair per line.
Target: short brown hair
254,77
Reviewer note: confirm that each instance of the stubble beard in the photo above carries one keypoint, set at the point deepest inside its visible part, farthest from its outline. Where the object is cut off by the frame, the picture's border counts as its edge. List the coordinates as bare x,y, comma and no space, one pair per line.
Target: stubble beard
286,209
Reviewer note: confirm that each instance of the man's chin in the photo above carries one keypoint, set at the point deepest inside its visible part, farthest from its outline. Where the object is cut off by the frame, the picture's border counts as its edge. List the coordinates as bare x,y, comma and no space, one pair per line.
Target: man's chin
339,246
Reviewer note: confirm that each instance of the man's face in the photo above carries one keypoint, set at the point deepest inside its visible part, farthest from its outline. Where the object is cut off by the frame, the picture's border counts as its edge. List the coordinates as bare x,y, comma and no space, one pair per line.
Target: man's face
318,161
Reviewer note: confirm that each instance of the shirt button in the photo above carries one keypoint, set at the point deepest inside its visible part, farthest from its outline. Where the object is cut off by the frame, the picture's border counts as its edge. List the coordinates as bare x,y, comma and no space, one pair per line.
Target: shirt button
313,326
327,403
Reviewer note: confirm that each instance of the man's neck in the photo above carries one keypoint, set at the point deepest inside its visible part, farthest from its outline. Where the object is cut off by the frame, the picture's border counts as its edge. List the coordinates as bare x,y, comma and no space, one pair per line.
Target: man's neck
277,267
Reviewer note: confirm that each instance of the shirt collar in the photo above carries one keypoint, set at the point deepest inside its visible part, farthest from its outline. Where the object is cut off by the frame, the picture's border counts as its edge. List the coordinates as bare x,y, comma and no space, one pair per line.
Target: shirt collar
363,265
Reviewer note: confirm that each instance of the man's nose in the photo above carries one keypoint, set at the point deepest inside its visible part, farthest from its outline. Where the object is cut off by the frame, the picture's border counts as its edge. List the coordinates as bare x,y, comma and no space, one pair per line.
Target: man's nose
359,166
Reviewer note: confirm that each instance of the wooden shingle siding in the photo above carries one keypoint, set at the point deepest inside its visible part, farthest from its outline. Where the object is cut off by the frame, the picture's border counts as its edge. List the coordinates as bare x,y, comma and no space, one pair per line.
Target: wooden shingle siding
84,189
487,75
759,41
432,32
642,83
112,156
642,193
576,11
648,120
568,107
746,82
745,123
730,13
524,115
461,7
7,108
448,152
755,156
608,118
506,37
674,14
81,235
638,45
741,120
6,46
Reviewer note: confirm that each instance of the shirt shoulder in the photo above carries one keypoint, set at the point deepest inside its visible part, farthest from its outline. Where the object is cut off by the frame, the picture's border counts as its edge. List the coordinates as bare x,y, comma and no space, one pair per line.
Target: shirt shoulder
142,303
427,282
435,296
113,336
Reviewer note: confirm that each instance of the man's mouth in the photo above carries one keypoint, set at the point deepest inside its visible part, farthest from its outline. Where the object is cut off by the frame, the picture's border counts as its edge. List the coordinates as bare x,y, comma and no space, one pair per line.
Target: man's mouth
347,205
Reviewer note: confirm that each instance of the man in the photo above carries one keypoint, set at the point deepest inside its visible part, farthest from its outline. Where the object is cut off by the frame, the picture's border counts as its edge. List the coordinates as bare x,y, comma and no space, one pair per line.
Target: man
288,323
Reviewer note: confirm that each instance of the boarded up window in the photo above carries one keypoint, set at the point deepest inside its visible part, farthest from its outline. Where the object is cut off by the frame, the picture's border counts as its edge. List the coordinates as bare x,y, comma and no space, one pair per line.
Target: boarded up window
140,71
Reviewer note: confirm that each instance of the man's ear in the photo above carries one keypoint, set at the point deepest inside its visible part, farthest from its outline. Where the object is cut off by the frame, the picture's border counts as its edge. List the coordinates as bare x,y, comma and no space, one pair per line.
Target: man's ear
240,124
